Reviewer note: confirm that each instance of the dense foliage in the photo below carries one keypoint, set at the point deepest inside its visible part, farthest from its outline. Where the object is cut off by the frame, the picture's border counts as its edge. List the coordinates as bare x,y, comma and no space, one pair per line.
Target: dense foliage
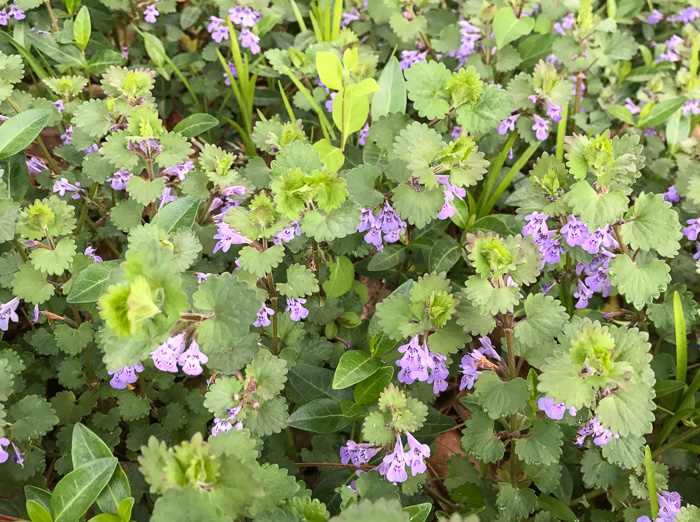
385,261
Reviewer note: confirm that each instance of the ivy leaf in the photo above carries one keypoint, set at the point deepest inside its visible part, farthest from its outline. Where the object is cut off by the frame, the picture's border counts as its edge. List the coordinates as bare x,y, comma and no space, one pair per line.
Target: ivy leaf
596,210
625,451
544,320
494,106
418,208
221,395
597,472
336,224
515,504
360,185
54,262
654,225
543,446
270,418
407,30
31,417
301,281
73,340
639,283
562,381
478,439
340,278
9,212
470,318
270,373
426,83
498,398
490,300
260,263
92,117
114,149
507,27
176,149
418,145
30,284
629,411
126,214
145,192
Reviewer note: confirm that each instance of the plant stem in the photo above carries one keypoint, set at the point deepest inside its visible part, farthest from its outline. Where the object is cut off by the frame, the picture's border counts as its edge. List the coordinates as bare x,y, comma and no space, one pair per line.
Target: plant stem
675,442
86,207
54,23
623,246
19,250
577,101
508,327
273,300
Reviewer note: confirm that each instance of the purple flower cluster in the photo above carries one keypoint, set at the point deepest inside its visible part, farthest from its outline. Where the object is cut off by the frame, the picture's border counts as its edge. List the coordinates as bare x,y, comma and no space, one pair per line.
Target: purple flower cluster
296,309
224,425
179,170
386,222
554,410
67,137
417,360
408,58
91,252
358,454
119,179
127,375
508,124
671,53
288,233
14,12
35,165
472,363
172,352
672,195
451,191
470,38
565,24
227,236
687,15
691,106
601,436
18,458
217,29
8,312
239,15
393,466
263,316
62,186
550,246
669,507
244,16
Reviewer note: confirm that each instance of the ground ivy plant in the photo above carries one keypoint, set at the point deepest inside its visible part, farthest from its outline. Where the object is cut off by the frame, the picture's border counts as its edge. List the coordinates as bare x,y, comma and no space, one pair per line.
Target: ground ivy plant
380,260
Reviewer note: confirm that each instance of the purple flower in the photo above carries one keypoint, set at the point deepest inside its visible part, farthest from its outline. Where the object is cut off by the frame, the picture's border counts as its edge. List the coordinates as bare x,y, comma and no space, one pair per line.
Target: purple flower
601,436
352,16
329,103
553,410
456,132
414,363
166,198
629,103
474,362
552,58
691,106
8,312
671,53
451,191
386,221
574,231
201,276
602,236
249,40
288,233
669,505
244,15
551,251
691,232
417,453
583,295
687,15
227,236
35,314
125,52
59,105
217,29
541,128
4,442
18,458
90,252
296,309
358,454
655,17
408,58
366,219
62,186
537,222
554,111
364,134
394,465
67,136
568,21
469,42
221,426
35,165
438,372
263,319
150,14
192,359
95,147
16,13
508,124
166,355
4,17
119,179
127,375
180,170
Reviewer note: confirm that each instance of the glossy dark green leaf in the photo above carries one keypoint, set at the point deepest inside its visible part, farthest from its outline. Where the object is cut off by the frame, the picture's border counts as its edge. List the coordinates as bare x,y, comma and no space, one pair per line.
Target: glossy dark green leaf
313,382
444,254
195,125
177,214
389,258
17,133
369,389
319,416
79,489
354,366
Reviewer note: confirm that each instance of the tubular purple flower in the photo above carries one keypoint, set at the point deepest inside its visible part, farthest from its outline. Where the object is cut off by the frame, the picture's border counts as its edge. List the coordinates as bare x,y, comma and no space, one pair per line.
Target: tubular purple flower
4,455
691,231
508,124
127,375
90,252
263,316
417,453
250,40
166,355
554,111
150,14
541,128
217,29
8,312
119,179
655,17
36,165
394,465
296,310
537,222
192,359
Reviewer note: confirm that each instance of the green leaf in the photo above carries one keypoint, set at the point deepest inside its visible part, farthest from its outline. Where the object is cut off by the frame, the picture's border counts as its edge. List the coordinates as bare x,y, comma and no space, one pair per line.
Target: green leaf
18,132
82,28
478,439
640,284
335,224
30,284
360,185
444,254
544,320
90,283
557,508
426,85
654,225
301,281
419,512
661,112
389,258
86,447
177,214
543,446
260,263
68,55
330,70
341,277
145,192
332,156
312,382
195,124
418,208
54,262
494,105
76,492
597,472
490,300
507,28
9,212
498,398
622,113
15,176
73,340
368,390
354,366
515,504
319,416
596,210
407,30
126,214
103,59
37,512
629,411
350,114
392,91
